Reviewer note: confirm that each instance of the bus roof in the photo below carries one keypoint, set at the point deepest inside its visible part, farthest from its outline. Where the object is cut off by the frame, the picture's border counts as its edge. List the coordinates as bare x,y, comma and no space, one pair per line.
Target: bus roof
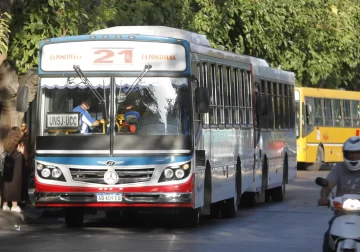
161,31
273,74
200,44
328,93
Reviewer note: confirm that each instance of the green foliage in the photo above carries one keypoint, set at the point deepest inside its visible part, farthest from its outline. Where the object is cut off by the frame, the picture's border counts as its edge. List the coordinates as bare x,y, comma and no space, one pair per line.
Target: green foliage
317,39
4,32
53,18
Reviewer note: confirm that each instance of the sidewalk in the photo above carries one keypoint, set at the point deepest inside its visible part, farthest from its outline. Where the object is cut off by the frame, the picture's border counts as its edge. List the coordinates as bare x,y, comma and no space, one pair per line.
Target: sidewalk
9,219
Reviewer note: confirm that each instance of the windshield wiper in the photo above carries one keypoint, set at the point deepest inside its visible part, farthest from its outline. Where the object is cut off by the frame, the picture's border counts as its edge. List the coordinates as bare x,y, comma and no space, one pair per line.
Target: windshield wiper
85,80
136,81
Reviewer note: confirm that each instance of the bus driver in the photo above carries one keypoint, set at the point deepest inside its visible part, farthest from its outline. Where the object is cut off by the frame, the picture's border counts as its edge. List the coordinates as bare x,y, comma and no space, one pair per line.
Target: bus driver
86,120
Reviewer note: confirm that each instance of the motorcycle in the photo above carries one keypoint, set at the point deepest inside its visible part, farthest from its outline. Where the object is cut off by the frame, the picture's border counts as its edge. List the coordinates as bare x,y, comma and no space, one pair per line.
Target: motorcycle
345,230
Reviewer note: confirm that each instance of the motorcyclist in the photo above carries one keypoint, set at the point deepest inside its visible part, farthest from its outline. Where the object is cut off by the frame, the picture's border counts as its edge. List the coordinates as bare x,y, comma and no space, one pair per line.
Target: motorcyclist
345,176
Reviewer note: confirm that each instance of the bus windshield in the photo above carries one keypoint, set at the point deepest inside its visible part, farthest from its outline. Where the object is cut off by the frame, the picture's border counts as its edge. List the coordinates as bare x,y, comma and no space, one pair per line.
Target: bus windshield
161,105
62,99
161,102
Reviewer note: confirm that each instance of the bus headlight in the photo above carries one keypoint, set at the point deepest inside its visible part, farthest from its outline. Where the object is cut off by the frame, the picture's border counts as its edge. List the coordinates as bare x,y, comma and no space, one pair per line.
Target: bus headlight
185,166
56,173
49,172
175,172
168,173
45,172
179,173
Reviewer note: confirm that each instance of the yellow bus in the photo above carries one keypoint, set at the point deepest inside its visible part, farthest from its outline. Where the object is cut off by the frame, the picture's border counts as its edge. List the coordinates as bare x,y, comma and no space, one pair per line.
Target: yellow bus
325,118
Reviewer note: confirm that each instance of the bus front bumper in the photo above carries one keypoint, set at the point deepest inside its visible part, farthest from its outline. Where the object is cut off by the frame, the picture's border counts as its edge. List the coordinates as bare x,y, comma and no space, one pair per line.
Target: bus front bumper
113,199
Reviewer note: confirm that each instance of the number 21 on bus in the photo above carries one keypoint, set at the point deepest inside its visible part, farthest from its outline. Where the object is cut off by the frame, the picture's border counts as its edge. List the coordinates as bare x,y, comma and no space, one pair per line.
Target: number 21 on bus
113,56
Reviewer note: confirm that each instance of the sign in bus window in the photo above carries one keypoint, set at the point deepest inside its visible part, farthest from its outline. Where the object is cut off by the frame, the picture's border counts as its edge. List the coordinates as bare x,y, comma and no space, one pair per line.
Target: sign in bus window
63,121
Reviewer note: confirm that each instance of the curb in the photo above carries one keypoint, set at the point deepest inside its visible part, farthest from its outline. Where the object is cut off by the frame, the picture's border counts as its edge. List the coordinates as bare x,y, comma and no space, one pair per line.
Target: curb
9,219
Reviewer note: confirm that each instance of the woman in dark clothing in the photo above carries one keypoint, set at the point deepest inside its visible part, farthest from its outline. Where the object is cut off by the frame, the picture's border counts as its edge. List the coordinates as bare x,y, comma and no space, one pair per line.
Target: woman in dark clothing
13,179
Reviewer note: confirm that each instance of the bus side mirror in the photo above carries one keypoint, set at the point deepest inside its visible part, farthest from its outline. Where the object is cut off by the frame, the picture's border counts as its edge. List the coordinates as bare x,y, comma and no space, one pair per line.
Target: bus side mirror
22,98
202,100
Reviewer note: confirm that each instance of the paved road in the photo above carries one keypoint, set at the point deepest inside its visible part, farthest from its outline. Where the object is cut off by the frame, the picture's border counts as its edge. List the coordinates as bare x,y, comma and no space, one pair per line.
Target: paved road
296,224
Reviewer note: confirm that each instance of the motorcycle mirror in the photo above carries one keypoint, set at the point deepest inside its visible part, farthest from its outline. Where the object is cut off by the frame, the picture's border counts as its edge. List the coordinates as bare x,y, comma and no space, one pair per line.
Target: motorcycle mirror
321,182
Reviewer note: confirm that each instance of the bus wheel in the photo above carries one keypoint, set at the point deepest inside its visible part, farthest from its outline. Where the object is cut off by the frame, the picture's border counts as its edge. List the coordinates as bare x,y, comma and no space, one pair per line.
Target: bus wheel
74,217
278,193
191,217
229,208
319,159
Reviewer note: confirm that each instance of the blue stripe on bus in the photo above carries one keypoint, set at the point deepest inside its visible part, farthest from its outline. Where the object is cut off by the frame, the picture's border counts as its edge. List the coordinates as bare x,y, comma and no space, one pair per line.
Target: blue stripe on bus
125,160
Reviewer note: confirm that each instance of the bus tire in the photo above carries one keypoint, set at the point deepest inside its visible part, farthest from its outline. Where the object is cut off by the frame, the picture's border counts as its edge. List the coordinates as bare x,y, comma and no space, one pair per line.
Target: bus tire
74,217
191,217
229,208
278,193
319,159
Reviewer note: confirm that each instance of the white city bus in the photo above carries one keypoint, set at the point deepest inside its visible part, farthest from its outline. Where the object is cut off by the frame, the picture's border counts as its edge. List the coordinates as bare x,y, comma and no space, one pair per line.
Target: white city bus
183,126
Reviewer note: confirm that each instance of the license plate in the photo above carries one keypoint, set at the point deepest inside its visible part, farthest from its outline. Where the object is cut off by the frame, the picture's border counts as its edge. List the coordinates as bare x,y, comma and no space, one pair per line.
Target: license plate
109,197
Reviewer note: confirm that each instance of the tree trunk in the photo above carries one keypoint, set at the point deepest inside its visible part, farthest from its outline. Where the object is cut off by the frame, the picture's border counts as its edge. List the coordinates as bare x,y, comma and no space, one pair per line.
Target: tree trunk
9,84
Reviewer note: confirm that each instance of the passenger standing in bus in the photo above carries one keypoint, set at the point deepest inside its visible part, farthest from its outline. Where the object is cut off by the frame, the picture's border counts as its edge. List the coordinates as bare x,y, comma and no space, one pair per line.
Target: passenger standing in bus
86,120
13,170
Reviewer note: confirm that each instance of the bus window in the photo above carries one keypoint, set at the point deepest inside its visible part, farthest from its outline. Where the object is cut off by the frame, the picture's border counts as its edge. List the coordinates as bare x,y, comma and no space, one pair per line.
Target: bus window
297,122
60,96
318,111
227,95
242,86
355,113
235,95
211,79
270,114
276,106
328,113
162,103
219,97
287,106
205,118
337,112
347,113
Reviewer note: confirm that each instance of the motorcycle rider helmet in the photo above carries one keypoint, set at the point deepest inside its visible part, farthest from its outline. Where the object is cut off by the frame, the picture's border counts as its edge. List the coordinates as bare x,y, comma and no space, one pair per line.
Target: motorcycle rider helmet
351,152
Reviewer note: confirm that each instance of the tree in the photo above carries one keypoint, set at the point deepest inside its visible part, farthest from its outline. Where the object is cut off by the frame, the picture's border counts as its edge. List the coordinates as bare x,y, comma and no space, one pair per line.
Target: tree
315,39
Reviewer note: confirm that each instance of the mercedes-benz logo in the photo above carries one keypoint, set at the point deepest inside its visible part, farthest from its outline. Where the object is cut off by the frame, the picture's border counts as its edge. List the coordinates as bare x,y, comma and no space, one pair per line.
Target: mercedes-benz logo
111,177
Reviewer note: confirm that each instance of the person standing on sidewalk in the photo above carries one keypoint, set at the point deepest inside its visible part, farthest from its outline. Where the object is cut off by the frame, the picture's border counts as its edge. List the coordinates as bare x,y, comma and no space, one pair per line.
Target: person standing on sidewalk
13,170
